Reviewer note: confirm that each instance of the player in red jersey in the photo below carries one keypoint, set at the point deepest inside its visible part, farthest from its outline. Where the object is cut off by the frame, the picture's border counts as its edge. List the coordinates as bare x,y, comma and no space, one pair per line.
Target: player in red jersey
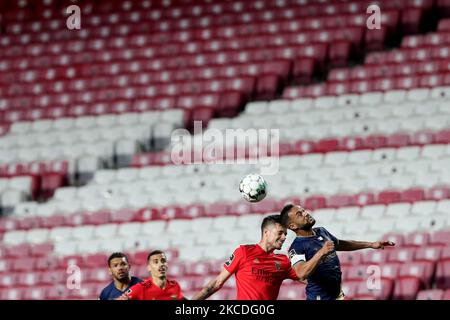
259,272
157,287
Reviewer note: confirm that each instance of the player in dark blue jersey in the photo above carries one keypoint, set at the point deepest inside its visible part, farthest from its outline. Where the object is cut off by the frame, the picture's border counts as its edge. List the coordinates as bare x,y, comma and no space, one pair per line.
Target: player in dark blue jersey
119,268
313,253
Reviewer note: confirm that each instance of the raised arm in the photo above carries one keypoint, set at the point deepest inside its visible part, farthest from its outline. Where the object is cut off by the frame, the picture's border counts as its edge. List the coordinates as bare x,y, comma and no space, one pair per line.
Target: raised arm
213,286
305,268
351,245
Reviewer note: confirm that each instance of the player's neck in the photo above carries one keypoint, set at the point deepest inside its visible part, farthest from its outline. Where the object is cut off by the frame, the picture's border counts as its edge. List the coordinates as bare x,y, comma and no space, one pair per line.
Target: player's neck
160,282
266,247
305,233
122,285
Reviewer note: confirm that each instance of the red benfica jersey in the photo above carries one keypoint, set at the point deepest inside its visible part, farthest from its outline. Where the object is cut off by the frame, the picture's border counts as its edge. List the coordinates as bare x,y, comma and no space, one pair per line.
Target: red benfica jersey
148,290
258,274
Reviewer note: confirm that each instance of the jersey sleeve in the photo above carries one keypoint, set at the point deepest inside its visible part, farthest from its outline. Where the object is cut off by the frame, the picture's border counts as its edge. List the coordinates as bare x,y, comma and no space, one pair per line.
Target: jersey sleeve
296,253
330,236
135,292
291,274
235,259
102,295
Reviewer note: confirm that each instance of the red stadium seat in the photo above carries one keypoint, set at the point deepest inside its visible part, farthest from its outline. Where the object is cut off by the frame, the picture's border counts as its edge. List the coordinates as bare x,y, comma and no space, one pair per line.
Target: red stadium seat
349,258
438,193
375,257
387,197
440,238
27,223
358,272
442,136
406,288
421,270
96,260
49,263
445,254
428,254
59,292
327,145
398,140
302,147
446,295
401,255
73,260
124,215
240,208
375,141
42,249
340,201
147,214
381,290
413,195
19,250
390,270
50,182
266,206
418,239
442,277
432,294
53,221
23,264
217,209
315,202
99,217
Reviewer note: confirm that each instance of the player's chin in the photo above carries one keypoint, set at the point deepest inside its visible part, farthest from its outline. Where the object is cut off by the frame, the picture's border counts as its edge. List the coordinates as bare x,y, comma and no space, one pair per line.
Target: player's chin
278,245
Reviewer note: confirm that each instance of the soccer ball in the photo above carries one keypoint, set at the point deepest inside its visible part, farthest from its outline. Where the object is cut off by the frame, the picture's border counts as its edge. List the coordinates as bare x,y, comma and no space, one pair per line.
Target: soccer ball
253,187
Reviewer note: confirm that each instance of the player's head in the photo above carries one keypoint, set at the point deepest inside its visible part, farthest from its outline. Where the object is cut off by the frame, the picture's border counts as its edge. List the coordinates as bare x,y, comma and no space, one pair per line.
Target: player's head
272,231
296,217
119,267
157,264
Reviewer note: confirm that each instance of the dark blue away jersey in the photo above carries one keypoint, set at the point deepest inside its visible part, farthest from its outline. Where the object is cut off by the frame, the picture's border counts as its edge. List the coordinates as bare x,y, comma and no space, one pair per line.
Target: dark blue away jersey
110,292
325,282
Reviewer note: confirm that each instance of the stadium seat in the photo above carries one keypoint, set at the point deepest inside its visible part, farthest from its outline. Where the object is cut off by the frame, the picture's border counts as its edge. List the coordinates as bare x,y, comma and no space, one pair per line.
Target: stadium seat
406,288
433,294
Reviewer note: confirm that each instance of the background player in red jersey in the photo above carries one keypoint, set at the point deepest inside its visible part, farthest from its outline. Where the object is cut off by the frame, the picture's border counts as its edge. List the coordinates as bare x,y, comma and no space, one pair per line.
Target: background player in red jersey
259,272
157,287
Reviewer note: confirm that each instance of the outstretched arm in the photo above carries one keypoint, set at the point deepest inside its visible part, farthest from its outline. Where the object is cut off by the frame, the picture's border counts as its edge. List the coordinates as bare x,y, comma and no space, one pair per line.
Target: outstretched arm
351,245
213,286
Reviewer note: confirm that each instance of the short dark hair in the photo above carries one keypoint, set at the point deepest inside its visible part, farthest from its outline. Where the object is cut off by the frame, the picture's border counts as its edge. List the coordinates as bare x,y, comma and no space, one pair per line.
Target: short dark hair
284,214
270,220
117,255
154,252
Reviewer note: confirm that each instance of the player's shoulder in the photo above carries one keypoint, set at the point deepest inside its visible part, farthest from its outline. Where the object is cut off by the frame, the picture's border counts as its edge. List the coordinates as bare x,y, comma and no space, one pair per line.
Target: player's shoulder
246,248
135,280
143,284
320,230
173,282
105,291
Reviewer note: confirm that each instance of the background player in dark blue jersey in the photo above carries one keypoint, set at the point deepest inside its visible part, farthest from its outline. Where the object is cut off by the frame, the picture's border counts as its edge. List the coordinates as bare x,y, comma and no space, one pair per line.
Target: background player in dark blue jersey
119,268
313,253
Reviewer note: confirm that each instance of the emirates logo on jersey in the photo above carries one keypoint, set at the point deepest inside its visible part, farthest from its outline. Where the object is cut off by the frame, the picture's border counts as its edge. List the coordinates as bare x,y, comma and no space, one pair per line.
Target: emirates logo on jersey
277,266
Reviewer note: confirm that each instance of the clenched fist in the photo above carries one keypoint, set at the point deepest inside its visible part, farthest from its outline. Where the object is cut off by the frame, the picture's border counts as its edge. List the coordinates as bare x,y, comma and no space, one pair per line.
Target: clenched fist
327,248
